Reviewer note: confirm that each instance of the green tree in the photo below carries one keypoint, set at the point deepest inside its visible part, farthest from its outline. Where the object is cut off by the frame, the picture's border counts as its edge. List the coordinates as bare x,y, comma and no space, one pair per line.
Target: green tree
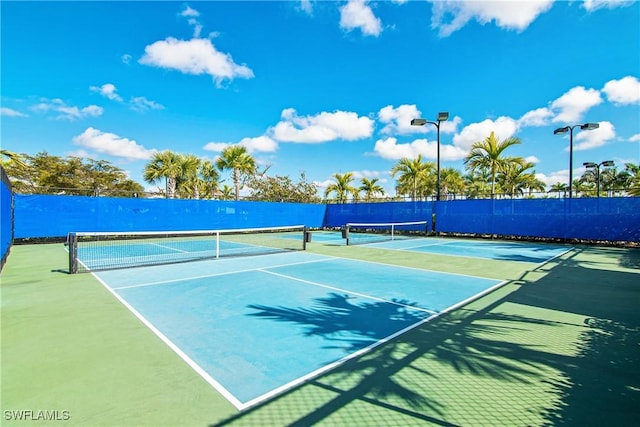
239,161
370,188
488,154
282,189
226,193
633,182
12,157
47,174
342,187
560,188
413,176
452,183
516,177
477,184
165,165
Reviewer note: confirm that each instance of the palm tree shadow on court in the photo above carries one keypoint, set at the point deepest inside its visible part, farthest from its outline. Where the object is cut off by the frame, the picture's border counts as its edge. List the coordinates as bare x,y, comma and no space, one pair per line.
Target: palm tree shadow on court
403,379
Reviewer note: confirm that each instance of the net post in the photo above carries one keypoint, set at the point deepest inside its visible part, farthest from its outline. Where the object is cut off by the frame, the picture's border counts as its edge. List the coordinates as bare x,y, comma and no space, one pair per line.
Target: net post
392,231
217,244
72,242
346,233
305,230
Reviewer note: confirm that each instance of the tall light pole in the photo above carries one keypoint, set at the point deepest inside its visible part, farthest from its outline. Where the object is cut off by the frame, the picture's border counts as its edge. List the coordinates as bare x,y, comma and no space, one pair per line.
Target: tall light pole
564,130
442,117
596,166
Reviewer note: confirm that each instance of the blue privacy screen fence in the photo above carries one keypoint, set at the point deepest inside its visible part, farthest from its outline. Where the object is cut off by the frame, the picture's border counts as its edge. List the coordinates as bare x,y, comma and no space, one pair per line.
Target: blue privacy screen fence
6,217
600,219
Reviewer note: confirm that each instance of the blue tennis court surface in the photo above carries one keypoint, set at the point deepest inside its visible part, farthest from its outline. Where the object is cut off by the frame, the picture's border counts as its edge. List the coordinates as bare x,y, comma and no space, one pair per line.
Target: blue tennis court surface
255,326
503,251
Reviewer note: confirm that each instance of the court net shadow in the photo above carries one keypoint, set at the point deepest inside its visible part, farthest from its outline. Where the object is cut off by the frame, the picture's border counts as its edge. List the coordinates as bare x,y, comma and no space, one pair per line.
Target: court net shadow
442,372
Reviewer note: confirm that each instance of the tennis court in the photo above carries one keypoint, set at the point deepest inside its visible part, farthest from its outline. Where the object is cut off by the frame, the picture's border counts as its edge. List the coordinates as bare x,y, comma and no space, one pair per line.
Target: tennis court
241,324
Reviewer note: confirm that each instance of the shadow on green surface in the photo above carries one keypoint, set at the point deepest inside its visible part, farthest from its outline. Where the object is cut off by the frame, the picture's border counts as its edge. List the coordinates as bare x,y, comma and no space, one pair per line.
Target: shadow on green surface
599,385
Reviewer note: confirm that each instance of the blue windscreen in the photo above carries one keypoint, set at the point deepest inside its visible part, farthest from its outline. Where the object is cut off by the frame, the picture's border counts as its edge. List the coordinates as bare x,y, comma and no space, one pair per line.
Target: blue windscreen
343,213
6,216
606,219
56,216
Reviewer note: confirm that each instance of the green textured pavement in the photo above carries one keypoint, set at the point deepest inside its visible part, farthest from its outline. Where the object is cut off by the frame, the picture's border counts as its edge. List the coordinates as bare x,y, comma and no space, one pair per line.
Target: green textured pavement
559,344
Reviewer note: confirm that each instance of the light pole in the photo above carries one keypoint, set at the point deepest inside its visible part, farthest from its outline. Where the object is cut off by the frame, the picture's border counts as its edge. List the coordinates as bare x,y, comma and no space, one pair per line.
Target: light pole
442,117
596,166
564,130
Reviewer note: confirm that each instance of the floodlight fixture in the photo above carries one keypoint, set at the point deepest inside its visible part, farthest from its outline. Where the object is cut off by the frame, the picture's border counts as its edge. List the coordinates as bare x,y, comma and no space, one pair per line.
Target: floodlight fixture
443,116
561,131
564,130
608,163
590,126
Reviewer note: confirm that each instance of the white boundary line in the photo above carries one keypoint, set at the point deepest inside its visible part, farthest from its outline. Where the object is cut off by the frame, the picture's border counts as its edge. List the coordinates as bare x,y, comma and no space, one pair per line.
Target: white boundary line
204,276
208,378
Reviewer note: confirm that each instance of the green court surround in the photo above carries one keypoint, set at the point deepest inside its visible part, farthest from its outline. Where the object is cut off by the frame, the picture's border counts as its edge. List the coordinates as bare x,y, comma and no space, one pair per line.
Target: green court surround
557,345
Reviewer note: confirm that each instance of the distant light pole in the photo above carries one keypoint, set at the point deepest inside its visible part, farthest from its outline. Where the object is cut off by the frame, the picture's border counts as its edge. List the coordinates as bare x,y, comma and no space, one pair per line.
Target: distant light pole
442,117
564,130
596,166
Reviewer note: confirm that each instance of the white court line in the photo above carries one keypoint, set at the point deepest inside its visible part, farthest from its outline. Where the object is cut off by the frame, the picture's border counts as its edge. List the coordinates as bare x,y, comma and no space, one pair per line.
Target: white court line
309,282
168,247
208,378
204,276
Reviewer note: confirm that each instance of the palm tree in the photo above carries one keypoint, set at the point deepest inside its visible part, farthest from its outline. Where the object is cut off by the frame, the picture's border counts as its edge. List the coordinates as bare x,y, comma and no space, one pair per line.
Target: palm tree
370,188
236,158
477,184
515,178
633,184
451,183
342,187
487,154
414,176
13,157
226,193
165,165
559,187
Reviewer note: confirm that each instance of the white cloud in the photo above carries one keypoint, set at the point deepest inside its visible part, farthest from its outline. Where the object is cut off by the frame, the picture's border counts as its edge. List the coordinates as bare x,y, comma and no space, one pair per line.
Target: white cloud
588,139
503,127
635,138
398,120
195,56
108,90
357,14
67,112
537,117
449,16
591,5
390,149
260,143
189,12
575,103
4,111
322,127
532,159
305,6
112,144
623,91
216,146
142,104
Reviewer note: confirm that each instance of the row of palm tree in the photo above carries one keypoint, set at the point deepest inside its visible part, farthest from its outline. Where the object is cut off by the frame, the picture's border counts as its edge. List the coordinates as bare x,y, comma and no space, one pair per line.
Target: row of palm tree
490,173
189,176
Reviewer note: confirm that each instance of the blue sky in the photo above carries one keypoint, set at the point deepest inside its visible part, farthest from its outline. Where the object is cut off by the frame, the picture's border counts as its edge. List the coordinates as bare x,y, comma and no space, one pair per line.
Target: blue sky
321,87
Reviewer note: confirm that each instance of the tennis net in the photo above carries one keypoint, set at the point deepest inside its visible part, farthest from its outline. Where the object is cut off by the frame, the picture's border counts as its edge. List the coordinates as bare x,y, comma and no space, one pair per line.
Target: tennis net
94,251
362,233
